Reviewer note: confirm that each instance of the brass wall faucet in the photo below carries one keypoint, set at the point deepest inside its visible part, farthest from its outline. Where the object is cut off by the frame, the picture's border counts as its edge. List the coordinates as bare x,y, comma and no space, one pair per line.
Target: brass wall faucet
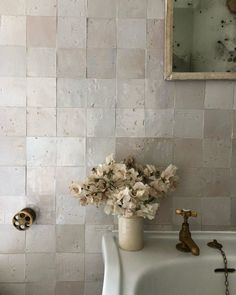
24,219
186,242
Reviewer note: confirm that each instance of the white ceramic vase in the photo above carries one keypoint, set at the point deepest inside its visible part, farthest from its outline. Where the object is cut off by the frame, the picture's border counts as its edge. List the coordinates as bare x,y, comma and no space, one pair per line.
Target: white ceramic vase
131,233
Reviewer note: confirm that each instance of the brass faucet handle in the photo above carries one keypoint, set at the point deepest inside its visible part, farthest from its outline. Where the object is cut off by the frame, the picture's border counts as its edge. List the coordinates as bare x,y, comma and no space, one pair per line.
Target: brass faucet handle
186,213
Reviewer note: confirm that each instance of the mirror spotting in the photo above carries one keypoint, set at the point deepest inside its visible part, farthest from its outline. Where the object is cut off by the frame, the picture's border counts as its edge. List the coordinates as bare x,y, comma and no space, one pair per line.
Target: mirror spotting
200,39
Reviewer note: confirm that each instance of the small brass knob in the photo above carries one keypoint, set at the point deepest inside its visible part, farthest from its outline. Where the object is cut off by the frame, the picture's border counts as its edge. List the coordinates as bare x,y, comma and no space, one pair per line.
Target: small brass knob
186,213
24,219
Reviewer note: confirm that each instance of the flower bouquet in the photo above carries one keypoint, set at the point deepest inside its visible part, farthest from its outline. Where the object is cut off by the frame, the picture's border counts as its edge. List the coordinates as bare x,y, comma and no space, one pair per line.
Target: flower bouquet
127,189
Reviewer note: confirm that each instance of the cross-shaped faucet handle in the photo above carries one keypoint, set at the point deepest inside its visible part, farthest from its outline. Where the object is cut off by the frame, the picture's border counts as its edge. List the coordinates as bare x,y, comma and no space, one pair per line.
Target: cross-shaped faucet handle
186,213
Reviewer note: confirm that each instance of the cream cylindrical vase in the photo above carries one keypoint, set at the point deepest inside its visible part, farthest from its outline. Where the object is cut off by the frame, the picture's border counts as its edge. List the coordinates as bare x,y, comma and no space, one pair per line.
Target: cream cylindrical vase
131,233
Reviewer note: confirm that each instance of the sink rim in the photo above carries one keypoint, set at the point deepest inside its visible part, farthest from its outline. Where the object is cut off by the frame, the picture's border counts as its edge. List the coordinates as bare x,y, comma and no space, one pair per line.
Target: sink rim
114,257
112,263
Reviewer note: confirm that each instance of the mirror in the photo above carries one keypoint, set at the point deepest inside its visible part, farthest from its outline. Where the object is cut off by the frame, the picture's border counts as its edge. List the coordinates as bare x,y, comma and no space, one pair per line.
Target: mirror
200,39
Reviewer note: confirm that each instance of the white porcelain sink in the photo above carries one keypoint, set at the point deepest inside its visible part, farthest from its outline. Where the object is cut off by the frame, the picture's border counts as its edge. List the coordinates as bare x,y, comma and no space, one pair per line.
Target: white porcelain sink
160,269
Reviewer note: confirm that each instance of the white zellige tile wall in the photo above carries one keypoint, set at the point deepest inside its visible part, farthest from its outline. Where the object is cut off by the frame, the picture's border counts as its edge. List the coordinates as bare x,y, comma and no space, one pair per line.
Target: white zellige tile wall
79,80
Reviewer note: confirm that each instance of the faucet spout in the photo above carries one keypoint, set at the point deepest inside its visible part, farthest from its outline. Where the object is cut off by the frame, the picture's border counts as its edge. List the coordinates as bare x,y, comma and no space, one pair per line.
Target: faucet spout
192,246
187,244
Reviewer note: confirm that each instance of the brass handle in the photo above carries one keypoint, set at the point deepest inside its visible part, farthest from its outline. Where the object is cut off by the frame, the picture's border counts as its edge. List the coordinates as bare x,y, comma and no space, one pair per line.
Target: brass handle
24,219
186,213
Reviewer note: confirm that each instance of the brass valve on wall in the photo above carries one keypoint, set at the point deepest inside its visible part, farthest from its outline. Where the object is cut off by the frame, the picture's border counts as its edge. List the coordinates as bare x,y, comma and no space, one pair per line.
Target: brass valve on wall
24,219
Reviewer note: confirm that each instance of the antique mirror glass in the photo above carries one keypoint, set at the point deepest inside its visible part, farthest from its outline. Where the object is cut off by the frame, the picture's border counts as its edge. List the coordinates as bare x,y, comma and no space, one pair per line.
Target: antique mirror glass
200,39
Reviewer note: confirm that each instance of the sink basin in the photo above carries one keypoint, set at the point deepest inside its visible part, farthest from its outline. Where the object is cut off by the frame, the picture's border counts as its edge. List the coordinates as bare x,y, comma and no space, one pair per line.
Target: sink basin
159,269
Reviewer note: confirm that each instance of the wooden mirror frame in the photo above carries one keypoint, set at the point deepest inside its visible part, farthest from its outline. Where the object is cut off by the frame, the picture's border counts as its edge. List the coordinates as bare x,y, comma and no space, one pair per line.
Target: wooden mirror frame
168,57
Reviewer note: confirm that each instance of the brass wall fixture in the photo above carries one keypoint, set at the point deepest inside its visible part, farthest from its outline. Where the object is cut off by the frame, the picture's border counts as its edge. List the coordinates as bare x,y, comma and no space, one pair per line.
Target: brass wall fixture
24,219
186,242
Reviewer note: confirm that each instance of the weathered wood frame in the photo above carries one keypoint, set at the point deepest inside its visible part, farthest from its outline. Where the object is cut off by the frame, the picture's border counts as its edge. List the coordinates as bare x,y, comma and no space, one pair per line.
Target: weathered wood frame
168,60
